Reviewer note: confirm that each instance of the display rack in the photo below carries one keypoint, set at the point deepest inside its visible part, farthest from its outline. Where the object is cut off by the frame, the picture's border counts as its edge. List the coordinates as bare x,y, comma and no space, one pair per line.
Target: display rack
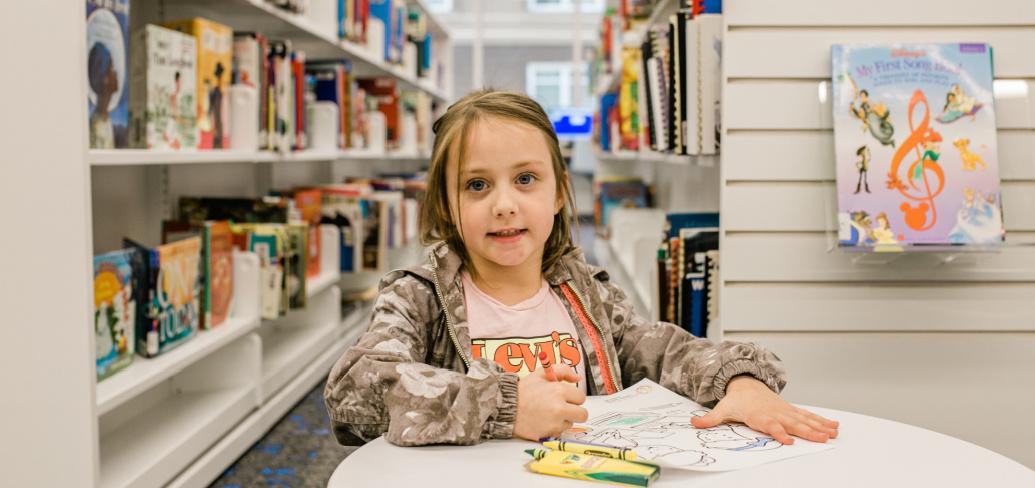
181,418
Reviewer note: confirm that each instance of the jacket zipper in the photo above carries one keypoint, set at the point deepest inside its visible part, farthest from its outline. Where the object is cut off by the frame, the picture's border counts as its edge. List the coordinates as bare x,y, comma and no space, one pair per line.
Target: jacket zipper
445,313
595,334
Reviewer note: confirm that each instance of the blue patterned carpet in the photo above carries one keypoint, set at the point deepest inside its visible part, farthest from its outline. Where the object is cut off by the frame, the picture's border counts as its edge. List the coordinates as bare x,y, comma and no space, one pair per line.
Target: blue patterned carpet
299,451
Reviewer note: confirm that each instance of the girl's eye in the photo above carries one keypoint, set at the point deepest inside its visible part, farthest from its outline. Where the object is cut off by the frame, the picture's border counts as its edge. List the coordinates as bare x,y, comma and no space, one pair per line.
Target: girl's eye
525,179
477,185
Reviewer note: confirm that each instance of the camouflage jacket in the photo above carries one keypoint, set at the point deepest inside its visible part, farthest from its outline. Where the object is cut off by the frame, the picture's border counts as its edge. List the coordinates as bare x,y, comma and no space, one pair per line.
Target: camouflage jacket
410,377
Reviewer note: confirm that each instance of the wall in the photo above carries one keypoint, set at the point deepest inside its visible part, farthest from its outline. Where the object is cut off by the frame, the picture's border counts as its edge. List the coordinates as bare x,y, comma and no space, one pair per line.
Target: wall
942,345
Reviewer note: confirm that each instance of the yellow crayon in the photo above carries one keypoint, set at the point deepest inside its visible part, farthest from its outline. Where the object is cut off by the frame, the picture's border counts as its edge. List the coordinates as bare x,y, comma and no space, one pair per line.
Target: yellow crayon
592,468
592,449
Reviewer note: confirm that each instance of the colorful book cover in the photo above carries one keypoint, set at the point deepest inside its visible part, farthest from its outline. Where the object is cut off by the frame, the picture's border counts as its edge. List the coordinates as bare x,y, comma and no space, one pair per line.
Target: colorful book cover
114,312
918,120
107,65
308,204
219,272
383,90
269,248
162,90
171,282
214,64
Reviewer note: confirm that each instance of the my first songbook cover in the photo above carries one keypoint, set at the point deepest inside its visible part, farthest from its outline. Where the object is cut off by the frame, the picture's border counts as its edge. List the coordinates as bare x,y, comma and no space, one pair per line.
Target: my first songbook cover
915,143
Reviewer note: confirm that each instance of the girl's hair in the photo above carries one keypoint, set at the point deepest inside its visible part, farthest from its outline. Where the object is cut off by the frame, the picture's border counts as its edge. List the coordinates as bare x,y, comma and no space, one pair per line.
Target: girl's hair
452,133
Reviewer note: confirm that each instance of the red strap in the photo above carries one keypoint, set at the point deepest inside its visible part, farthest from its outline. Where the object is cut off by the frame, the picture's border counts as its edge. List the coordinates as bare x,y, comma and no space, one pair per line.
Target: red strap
594,337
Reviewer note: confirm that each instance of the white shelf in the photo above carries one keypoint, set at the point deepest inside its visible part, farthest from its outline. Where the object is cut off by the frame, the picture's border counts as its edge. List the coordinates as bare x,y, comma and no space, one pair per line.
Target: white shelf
624,276
146,157
215,460
140,157
285,350
144,373
146,450
645,156
263,17
326,278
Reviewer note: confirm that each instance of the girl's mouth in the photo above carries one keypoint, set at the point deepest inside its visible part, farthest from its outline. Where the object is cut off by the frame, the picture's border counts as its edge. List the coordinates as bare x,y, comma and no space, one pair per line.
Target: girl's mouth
507,235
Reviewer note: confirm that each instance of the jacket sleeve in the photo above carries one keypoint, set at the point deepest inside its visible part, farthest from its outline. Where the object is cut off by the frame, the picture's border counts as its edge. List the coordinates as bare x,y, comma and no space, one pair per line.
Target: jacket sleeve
669,355
383,386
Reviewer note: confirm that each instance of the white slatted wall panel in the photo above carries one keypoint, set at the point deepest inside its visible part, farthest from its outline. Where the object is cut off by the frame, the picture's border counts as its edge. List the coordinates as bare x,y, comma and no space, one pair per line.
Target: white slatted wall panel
916,340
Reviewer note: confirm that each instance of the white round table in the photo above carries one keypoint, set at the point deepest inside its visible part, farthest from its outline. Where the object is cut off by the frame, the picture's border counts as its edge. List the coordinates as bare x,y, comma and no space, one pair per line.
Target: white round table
869,452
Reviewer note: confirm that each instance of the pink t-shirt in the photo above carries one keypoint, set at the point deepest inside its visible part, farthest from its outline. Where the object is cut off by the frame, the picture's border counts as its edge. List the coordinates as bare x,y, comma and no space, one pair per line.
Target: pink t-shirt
513,335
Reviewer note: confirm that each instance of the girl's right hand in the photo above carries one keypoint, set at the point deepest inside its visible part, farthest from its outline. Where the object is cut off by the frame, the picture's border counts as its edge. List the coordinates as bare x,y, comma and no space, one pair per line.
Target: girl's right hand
547,408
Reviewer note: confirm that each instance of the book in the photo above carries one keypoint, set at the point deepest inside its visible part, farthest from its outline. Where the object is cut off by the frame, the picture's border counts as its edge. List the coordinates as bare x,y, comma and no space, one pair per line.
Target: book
611,194
107,72
114,311
251,69
218,273
268,246
897,108
162,90
295,234
215,50
168,287
308,204
237,210
386,96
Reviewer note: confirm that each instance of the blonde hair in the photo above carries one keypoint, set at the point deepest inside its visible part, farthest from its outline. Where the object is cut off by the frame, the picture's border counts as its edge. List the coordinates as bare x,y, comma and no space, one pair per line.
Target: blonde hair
452,131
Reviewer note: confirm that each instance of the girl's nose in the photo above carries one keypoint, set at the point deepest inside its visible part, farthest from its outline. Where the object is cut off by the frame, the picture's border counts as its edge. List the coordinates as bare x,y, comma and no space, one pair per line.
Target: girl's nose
504,205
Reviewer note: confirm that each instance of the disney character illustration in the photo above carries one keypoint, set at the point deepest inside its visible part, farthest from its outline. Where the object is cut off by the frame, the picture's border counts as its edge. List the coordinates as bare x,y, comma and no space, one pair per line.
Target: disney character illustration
874,116
863,165
979,221
957,106
104,83
970,159
736,437
860,232
883,233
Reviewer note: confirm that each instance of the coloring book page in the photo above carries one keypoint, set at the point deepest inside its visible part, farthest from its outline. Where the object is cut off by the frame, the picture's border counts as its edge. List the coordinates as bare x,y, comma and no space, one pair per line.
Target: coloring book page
655,423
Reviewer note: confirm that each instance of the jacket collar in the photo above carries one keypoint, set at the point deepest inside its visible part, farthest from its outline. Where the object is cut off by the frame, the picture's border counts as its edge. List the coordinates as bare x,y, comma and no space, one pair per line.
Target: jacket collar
447,263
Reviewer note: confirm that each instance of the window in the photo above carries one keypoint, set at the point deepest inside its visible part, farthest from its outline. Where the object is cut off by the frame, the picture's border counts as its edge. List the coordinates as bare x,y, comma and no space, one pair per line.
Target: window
550,83
564,6
439,6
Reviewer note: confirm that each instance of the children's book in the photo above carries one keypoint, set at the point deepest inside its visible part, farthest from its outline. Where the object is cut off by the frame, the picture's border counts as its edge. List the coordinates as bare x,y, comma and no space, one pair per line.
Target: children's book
107,72
215,44
218,272
385,97
919,121
295,263
162,95
269,248
168,287
308,204
114,312
611,194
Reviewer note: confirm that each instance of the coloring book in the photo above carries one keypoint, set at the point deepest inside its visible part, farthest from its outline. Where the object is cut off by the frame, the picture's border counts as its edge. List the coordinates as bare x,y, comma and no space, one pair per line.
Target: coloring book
915,143
655,422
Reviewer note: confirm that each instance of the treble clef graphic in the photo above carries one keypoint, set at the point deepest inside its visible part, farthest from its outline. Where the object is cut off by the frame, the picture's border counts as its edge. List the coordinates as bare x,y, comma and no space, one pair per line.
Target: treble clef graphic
920,169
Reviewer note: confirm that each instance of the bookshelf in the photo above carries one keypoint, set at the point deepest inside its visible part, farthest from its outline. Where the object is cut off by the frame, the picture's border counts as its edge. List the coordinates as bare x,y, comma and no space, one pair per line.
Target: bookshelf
144,157
182,418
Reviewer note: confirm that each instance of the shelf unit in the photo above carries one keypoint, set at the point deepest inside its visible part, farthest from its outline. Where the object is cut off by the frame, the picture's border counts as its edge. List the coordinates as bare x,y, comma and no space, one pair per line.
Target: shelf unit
181,418
317,42
633,38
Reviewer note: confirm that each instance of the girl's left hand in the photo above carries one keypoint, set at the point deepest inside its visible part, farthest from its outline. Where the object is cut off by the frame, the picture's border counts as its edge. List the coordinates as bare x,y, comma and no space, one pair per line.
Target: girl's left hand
751,402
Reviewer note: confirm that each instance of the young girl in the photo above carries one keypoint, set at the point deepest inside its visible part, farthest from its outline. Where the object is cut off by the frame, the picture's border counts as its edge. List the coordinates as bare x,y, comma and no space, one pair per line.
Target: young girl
451,353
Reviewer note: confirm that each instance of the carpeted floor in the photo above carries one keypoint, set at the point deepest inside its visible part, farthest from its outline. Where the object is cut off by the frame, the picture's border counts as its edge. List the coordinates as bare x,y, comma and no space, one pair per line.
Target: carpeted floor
299,451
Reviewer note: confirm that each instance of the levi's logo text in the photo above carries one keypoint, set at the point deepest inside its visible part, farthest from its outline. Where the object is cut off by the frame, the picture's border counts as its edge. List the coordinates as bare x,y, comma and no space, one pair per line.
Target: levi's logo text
520,354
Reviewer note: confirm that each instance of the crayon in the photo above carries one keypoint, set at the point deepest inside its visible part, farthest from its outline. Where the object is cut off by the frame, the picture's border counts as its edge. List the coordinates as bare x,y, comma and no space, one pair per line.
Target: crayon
592,468
591,449
547,367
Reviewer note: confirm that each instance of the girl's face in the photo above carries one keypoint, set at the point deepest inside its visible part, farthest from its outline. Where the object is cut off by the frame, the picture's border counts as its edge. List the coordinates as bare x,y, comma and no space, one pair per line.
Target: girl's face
507,194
